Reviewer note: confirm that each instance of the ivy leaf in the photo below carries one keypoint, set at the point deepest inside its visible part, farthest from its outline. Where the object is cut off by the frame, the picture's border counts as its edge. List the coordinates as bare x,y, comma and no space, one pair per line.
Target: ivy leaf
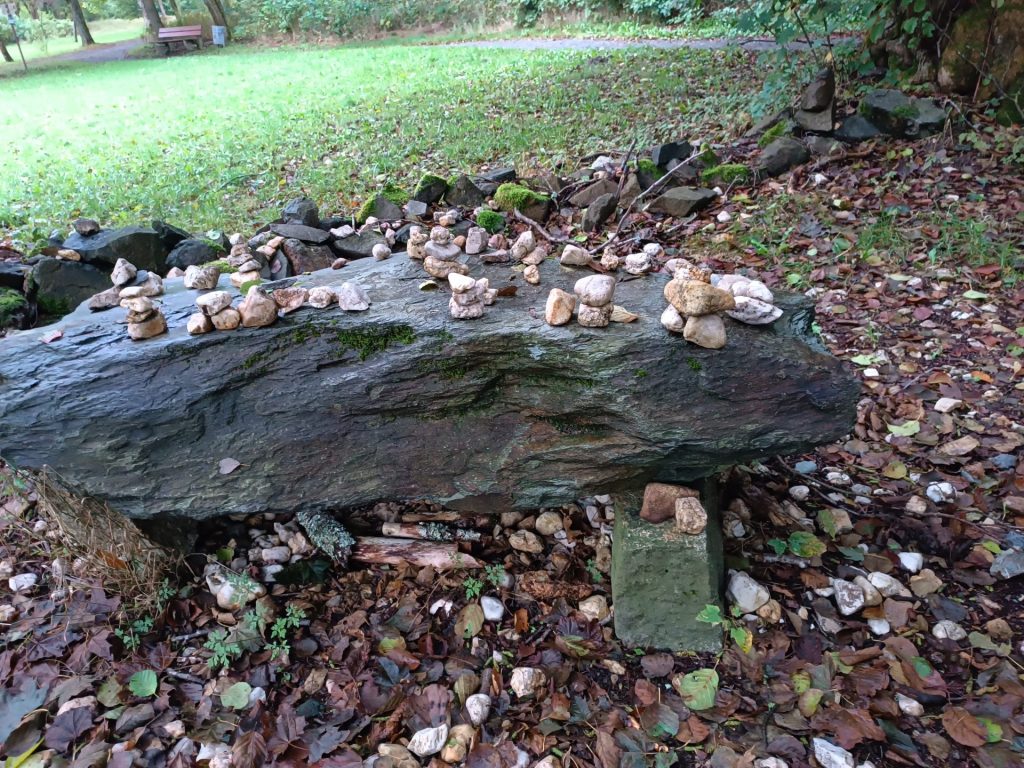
710,614
906,429
143,683
697,688
237,696
743,638
805,544
777,545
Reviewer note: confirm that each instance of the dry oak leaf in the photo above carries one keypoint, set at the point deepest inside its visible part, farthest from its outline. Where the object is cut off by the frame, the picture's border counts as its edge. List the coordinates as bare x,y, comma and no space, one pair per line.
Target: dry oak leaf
964,727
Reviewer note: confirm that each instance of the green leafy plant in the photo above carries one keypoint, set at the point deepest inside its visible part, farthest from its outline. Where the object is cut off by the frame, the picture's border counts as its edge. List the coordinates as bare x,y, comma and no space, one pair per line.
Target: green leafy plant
143,683
222,650
474,587
743,637
283,626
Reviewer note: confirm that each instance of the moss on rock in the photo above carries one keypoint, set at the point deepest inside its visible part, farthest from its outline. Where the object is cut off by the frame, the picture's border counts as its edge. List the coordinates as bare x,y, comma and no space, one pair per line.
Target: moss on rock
777,131
222,266
492,221
516,197
12,303
727,173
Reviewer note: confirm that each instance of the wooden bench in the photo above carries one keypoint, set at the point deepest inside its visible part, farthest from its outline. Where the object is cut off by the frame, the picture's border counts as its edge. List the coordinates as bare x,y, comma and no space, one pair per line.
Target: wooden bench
168,35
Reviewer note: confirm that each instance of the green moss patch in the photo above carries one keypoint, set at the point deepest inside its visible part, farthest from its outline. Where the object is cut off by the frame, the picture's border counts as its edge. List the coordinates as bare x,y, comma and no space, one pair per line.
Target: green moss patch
647,166
222,266
777,131
727,173
11,303
516,197
369,341
492,221
428,180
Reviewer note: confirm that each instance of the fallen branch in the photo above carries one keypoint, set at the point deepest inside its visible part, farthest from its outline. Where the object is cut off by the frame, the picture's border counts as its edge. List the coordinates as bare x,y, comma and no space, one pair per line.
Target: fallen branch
540,230
429,531
377,550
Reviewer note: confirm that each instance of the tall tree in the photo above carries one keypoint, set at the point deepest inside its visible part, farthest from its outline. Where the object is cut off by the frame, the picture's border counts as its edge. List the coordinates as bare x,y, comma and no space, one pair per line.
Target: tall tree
176,7
220,18
149,12
79,18
4,52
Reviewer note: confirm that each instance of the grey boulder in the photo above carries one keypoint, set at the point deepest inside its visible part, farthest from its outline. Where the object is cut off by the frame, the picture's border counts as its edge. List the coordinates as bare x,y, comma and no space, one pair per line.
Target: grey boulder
142,246
58,286
192,252
782,155
329,410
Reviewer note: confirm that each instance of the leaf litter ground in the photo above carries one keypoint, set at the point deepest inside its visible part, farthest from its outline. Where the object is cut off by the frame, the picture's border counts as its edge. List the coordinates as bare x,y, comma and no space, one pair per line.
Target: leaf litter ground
913,252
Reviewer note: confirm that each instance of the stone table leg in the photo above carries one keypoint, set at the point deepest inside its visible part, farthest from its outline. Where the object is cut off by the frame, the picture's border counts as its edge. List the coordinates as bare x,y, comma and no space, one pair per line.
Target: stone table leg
662,577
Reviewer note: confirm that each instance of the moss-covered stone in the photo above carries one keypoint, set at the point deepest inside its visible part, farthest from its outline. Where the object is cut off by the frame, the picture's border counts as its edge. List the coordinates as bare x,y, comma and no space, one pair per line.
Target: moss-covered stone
395,193
777,131
492,221
13,305
646,166
430,189
727,173
222,266
516,197
662,578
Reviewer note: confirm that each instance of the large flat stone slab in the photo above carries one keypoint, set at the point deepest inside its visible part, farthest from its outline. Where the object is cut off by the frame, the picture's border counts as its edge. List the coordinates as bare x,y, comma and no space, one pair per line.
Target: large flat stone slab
328,409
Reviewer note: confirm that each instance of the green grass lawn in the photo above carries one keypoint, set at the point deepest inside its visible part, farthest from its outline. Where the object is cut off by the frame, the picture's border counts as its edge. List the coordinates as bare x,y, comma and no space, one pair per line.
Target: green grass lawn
103,32
222,139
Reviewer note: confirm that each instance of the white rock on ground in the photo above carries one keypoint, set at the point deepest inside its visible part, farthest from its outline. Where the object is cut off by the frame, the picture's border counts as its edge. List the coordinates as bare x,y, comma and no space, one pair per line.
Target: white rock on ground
940,492
595,607
478,707
746,593
352,297
428,741
849,597
526,541
526,681
493,608
908,706
911,561
548,523
830,755
949,630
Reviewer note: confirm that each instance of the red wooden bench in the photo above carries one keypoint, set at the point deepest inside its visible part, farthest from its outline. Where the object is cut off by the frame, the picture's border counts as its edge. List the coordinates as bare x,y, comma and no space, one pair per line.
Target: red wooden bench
168,35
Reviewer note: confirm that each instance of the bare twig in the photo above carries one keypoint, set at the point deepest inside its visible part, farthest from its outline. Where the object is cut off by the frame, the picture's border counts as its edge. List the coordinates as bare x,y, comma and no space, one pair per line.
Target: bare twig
540,230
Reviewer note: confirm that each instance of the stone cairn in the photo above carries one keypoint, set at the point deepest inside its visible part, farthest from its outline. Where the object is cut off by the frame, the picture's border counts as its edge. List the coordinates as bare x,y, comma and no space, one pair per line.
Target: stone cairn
441,255
595,294
469,296
135,292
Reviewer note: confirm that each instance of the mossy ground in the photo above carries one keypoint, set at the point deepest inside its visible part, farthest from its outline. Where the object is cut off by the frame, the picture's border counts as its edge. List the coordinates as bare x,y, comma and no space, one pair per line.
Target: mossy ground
369,341
516,197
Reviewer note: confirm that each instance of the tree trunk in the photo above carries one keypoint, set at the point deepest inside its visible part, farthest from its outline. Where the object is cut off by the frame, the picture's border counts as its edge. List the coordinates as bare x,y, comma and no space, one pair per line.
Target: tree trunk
4,52
220,18
177,12
79,17
149,12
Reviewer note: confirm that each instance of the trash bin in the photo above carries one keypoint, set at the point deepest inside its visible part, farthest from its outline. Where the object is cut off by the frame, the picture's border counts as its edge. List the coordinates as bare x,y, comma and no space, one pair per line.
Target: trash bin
220,35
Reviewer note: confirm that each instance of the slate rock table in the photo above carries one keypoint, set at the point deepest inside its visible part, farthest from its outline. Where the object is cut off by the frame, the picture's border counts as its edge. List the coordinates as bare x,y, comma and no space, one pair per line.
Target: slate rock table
327,410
